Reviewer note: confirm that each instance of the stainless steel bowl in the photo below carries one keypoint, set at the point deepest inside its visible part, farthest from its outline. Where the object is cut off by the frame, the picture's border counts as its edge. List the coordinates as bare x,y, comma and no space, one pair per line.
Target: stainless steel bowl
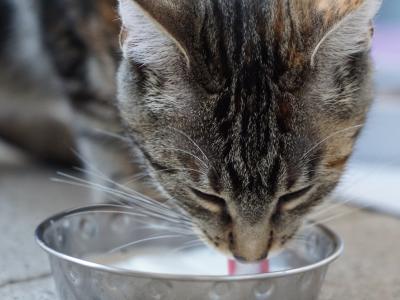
86,266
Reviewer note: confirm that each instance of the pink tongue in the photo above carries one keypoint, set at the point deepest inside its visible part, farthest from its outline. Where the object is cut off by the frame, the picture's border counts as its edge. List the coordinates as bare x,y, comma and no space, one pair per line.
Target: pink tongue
231,267
236,268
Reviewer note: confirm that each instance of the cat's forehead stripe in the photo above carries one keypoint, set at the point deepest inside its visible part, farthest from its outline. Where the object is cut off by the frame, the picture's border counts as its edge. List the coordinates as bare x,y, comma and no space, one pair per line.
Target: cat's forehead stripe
236,181
218,19
273,176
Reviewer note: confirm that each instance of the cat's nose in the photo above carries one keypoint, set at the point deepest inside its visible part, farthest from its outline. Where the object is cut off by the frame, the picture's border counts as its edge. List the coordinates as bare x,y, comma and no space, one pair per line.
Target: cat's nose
239,258
248,248
243,259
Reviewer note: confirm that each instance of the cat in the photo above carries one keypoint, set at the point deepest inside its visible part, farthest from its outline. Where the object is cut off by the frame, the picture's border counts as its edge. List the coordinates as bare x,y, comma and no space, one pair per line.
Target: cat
244,112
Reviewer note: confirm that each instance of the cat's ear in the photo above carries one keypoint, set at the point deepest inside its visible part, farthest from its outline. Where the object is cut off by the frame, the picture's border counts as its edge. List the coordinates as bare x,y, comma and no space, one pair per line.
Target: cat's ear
343,27
177,19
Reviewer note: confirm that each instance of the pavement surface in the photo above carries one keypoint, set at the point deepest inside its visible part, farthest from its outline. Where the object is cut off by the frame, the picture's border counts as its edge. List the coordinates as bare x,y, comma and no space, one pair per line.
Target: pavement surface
369,269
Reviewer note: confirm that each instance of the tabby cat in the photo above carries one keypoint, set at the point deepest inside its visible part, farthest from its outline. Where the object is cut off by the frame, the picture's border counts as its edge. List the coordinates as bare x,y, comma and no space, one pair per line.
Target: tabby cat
244,111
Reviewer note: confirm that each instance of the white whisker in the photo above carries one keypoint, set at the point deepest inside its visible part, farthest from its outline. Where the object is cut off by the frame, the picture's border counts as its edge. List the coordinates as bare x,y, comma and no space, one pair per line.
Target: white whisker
156,214
187,245
140,176
329,208
188,153
191,140
135,243
137,196
328,138
112,134
335,217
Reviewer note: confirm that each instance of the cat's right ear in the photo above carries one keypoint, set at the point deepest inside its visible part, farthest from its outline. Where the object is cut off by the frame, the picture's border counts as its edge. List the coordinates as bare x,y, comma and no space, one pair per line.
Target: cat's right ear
177,19
336,28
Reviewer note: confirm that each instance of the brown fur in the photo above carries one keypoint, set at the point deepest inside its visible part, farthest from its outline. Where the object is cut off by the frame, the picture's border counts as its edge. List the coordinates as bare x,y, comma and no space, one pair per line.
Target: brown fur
269,102
251,105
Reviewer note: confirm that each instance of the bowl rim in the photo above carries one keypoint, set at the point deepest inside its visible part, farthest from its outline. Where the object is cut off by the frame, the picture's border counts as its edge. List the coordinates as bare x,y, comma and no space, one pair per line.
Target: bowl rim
39,237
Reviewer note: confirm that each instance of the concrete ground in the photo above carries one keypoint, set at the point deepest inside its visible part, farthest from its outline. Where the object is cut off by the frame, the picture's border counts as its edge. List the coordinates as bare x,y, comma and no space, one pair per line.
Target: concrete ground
369,269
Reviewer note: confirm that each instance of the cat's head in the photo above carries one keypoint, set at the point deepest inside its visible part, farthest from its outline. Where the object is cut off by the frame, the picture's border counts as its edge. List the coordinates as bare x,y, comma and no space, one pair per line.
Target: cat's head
246,110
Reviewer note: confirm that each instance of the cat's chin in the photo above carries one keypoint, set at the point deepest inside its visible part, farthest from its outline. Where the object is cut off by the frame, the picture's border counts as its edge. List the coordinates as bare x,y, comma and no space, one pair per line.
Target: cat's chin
275,251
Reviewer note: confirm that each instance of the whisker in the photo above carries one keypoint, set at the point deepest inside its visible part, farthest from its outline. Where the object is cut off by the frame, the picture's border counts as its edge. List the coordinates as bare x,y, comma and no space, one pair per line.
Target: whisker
154,226
191,140
148,202
192,244
136,177
186,152
349,185
294,245
325,157
131,199
86,162
123,187
111,134
355,180
300,235
100,187
135,243
140,176
164,227
182,228
328,138
157,214
151,207
337,216
329,208
298,239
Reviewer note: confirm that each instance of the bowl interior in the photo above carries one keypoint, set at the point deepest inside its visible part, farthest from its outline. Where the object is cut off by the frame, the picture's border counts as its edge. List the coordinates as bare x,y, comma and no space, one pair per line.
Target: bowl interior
114,237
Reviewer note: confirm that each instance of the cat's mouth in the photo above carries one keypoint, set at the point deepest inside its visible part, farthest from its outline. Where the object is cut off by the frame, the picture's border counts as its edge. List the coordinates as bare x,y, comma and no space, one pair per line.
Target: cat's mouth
228,247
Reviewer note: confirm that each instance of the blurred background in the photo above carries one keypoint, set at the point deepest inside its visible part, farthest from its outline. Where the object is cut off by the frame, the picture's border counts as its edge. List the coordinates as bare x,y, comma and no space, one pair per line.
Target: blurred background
373,177
369,222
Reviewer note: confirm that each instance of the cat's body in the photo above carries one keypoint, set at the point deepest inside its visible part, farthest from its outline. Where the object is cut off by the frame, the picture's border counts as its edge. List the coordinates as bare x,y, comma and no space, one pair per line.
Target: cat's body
59,61
53,52
244,111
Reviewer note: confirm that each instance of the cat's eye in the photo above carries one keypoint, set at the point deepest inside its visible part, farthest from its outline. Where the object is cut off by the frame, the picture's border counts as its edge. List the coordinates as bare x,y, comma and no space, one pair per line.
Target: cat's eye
292,200
210,202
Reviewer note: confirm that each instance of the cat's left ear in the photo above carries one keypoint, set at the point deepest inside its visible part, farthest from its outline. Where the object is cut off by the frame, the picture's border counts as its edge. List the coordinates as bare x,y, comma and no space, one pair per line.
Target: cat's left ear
345,26
176,19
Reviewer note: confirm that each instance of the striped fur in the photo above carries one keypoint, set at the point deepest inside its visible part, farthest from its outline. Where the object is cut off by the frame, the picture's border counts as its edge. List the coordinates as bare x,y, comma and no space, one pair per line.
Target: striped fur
243,111
263,89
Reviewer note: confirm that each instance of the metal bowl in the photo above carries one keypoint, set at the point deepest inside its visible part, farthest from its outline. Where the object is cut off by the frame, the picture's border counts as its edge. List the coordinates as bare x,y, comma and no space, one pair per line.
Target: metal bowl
86,265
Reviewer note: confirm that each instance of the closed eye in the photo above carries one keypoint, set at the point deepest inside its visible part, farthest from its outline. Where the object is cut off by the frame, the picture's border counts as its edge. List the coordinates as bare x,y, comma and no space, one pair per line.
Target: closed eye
292,200
210,202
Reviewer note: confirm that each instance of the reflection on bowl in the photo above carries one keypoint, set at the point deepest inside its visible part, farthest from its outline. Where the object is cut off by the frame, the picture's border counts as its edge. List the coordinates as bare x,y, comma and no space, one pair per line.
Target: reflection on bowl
107,253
